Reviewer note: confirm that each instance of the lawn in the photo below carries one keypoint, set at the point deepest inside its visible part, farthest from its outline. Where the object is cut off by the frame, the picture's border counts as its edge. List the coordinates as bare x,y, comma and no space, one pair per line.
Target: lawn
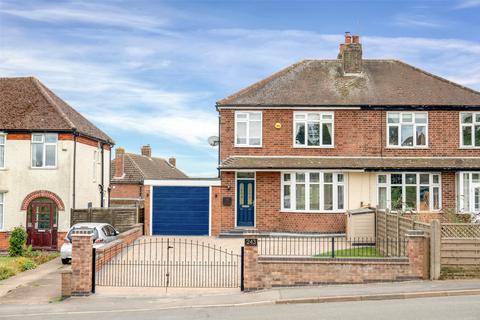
10,266
356,252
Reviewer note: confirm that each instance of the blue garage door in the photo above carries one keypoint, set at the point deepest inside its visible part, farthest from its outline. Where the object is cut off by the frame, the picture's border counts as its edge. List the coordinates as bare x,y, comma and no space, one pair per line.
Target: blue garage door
180,210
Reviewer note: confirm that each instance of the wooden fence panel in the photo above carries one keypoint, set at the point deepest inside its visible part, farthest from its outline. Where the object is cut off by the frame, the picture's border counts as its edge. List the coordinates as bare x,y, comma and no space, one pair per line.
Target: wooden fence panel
122,218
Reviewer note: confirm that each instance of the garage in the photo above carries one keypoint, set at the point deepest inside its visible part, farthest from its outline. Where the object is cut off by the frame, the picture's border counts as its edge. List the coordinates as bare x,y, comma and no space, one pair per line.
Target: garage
181,207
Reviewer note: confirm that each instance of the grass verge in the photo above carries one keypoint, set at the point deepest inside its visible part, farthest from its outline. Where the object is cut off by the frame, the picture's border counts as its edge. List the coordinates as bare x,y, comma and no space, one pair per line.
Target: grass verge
10,266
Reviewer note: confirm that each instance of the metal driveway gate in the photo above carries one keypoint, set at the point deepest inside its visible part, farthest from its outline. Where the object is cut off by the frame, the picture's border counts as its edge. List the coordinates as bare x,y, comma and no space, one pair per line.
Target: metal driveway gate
166,262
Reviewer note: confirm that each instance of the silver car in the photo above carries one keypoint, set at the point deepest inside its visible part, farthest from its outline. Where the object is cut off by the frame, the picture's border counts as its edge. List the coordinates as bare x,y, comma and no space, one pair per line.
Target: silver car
102,233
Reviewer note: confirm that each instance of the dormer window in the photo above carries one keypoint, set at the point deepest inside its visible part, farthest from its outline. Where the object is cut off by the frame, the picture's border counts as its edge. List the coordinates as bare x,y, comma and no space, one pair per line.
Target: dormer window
44,150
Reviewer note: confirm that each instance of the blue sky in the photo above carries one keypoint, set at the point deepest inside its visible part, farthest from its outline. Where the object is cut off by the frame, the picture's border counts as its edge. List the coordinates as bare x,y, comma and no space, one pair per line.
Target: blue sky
151,71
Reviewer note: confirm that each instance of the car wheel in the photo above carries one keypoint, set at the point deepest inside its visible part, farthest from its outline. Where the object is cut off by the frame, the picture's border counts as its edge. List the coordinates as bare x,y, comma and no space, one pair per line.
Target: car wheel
65,261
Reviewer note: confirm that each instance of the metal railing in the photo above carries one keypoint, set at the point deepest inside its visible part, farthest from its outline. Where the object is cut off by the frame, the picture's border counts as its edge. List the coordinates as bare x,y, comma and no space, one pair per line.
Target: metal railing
331,247
165,262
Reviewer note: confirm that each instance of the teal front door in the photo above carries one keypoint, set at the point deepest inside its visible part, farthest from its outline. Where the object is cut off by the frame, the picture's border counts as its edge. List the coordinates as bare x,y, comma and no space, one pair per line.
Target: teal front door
245,203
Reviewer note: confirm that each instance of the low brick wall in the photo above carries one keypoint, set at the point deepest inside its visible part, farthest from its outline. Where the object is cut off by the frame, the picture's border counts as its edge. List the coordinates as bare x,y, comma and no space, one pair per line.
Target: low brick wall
267,272
108,252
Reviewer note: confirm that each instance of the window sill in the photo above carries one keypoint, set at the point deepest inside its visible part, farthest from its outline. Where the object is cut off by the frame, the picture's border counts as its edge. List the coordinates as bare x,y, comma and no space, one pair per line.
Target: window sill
3,169
314,147
241,146
408,148
312,212
468,148
43,168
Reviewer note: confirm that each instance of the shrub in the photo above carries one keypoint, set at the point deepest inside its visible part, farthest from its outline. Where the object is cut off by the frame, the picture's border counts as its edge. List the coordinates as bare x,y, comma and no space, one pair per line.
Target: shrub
17,242
6,272
25,264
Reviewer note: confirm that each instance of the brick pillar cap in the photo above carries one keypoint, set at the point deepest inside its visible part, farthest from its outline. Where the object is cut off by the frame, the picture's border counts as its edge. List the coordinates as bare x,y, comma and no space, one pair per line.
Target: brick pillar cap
66,271
415,233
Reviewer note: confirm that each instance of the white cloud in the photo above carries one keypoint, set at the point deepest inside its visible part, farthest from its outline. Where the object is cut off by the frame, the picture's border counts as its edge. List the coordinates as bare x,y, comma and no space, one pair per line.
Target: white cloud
464,4
417,20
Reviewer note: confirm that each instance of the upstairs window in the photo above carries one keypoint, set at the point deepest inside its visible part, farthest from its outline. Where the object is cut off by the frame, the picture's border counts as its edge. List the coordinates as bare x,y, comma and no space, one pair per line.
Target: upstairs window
313,129
470,125
248,129
2,150
44,150
407,129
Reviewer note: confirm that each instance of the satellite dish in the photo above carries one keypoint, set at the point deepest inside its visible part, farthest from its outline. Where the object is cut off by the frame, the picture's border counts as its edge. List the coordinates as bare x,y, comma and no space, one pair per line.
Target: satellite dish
213,141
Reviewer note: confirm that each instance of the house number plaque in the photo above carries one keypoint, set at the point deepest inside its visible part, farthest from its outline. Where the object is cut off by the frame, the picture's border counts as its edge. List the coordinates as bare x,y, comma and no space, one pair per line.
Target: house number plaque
250,242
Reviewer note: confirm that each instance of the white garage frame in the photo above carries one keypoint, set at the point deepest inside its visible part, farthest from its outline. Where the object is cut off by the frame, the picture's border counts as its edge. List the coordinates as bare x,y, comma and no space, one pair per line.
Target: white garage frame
183,183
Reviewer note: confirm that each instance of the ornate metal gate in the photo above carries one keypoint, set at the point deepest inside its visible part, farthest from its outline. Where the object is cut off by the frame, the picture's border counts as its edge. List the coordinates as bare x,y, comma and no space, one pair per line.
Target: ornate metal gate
166,262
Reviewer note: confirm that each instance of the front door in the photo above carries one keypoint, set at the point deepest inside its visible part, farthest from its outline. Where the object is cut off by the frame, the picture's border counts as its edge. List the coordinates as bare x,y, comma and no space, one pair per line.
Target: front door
245,203
43,228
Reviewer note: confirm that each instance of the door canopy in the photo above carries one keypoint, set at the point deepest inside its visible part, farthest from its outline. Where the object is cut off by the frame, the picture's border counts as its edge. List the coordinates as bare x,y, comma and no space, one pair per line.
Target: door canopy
43,194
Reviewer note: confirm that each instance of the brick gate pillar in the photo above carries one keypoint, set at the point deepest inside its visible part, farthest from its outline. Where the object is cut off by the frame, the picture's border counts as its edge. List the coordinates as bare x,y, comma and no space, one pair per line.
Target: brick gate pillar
251,280
82,245
418,253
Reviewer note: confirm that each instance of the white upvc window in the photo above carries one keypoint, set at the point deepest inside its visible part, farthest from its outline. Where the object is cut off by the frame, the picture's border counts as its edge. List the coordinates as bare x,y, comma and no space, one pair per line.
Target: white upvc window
248,129
313,129
3,140
470,129
416,191
313,191
2,206
407,129
44,150
468,191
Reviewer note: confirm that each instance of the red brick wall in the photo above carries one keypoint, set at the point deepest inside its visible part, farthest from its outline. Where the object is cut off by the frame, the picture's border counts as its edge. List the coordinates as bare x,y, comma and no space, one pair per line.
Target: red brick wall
147,209
356,133
4,240
448,190
122,190
216,208
267,209
267,272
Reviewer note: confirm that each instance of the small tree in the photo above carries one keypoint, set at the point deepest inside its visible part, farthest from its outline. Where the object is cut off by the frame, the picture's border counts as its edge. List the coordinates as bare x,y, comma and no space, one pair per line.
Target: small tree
17,242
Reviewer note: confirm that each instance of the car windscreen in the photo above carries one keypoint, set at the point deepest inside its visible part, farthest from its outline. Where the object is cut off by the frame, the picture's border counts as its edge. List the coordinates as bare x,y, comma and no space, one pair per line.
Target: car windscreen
83,230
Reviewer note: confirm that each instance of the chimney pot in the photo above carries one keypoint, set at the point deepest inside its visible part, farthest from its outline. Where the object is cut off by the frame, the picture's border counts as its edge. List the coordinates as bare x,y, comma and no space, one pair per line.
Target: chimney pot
146,151
356,39
172,161
119,162
348,37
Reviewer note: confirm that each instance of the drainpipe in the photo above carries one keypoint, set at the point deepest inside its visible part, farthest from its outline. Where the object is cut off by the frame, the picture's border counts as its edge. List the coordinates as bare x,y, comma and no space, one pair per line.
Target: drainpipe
102,186
110,174
74,167
219,143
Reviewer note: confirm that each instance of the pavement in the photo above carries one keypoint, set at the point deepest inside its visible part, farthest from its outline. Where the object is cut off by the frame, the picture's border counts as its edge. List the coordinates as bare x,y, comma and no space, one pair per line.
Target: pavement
37,286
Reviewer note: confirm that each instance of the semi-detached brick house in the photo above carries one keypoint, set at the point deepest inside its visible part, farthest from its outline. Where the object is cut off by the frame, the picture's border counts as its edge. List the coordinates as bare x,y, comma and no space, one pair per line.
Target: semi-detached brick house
304,145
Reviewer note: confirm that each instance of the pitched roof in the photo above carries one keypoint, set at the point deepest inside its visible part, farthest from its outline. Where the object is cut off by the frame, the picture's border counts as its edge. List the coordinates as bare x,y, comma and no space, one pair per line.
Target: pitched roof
27,104
365,163
381,83
138,168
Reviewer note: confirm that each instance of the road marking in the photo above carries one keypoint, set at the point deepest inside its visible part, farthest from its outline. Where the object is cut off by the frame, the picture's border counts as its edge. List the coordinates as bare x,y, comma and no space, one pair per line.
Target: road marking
138,309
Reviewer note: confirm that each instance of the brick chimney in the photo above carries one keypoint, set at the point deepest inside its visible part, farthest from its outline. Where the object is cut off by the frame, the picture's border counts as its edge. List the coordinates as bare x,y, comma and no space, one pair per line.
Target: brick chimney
146,151
172,161
119,158
351,54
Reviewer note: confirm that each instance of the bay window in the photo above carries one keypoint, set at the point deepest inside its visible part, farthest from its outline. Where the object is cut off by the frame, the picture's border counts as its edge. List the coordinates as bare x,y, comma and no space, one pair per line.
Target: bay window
409,191
470,129
313,191
407,129
313,129
2,150
44,150
248,129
